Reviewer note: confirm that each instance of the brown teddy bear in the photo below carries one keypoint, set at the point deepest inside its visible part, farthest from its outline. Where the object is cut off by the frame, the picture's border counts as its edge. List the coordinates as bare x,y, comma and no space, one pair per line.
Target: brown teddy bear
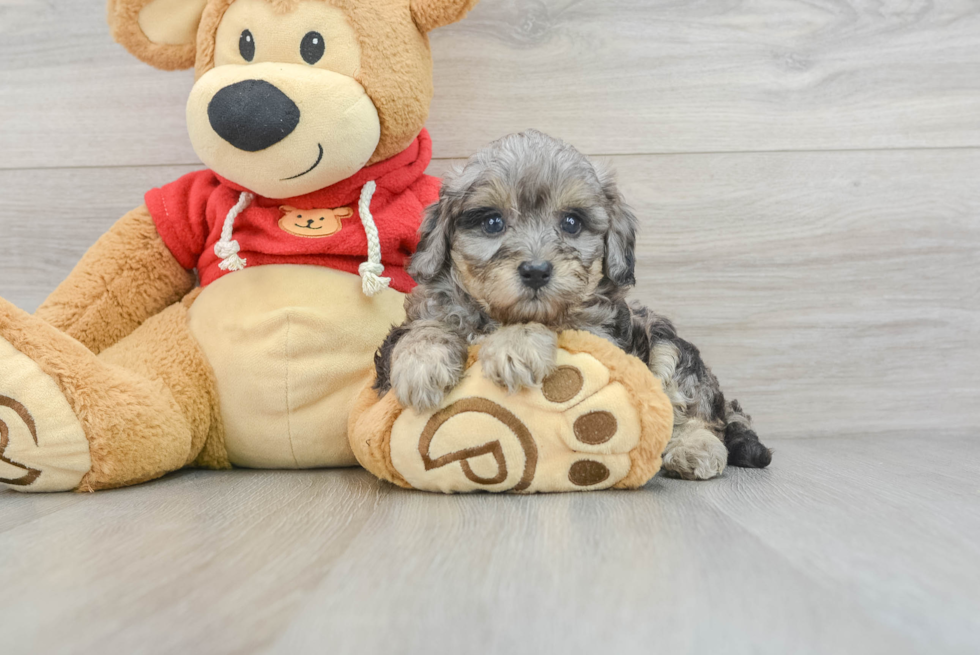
309,116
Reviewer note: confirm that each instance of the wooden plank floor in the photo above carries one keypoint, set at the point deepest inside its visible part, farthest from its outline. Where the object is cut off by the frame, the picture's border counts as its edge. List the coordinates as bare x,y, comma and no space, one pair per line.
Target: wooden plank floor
830,292
614,77
846,545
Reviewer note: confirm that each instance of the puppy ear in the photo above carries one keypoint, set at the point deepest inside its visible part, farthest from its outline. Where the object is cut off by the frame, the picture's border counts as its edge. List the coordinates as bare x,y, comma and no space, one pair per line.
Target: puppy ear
620,265
162,33
432,254
430,14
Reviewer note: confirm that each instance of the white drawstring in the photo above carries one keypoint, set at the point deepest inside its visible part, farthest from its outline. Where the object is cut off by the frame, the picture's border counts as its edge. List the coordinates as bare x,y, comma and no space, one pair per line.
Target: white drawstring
227,248
371,281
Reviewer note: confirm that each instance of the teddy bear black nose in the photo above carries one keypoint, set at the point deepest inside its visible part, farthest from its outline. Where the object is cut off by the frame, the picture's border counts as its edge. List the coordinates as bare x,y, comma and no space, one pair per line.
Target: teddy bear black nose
252,115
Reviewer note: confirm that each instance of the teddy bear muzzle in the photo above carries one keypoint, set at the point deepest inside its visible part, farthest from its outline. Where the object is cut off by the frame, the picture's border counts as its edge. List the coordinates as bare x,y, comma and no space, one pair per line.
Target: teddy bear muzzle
281,130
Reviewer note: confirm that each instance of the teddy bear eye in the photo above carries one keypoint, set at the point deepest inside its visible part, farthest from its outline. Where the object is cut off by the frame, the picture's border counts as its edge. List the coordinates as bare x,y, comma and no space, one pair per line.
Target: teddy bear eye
246,46
312,47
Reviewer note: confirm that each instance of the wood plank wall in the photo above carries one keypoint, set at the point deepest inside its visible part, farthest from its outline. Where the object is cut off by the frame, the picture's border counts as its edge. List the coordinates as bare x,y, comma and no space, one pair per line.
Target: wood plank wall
807,174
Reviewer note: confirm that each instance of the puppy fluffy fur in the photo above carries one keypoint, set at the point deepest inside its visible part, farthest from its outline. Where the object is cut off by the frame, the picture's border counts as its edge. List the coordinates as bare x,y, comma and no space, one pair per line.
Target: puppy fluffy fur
527,239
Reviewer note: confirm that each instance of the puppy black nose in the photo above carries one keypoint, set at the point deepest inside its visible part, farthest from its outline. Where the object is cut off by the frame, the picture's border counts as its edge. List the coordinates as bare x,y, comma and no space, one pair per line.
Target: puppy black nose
252,115
535,274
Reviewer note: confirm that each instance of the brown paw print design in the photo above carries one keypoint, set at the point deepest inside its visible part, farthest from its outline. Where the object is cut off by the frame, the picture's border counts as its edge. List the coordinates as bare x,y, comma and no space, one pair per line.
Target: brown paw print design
574,433
313,223
30,474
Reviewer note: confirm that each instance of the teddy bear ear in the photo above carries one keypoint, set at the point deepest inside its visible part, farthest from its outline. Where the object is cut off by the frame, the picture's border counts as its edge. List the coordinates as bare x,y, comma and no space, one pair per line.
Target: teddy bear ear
162,33
430,14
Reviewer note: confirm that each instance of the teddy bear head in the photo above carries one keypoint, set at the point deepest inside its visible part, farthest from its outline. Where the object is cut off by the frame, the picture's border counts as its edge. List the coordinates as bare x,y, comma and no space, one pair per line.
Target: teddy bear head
292,96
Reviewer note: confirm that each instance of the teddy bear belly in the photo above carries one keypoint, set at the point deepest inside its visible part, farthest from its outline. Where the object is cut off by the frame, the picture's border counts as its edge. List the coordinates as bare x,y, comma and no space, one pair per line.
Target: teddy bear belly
290,346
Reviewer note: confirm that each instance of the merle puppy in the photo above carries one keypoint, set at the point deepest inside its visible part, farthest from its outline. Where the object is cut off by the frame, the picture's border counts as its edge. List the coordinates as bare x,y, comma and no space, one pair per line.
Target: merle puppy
527,239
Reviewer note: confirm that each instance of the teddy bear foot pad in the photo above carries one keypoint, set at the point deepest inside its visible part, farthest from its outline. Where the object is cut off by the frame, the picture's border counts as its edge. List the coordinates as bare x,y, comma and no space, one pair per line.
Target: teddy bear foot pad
42,443
593,424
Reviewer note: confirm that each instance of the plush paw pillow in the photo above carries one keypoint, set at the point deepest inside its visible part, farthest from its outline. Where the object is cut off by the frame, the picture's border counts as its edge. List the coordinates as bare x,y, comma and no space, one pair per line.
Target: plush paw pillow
600,421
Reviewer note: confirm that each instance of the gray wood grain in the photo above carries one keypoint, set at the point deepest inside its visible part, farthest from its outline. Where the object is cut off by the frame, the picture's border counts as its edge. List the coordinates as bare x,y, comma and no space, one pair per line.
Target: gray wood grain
50,217
830,292
919,496
616,77
823,288
858,544
835,293
179,558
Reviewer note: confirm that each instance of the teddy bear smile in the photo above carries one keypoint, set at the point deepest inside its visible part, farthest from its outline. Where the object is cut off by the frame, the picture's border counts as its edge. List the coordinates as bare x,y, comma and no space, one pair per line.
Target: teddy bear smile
315,164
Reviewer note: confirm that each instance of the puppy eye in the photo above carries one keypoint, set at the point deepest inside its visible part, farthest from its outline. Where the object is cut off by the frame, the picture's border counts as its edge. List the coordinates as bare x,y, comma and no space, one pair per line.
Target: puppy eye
571,224
493,224
246,46
312,47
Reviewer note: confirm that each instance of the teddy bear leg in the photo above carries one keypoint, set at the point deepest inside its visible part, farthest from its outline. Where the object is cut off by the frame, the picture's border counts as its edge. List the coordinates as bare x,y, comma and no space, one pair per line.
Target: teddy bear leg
126,277
73,420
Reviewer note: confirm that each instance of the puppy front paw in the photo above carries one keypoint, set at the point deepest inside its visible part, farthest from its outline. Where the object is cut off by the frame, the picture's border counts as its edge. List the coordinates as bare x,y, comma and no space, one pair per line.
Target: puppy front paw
519,356
424,370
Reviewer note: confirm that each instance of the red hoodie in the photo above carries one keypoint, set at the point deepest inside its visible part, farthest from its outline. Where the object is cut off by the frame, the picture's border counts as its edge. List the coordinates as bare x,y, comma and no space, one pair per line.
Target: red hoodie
190,213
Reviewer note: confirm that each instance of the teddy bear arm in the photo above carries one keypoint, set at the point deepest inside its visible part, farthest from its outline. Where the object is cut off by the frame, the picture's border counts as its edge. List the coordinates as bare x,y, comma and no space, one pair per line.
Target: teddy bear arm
128,276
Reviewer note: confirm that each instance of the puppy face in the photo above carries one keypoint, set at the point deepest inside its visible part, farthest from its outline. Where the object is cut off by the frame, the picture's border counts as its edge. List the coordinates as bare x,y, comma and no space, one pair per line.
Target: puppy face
529,248
529,229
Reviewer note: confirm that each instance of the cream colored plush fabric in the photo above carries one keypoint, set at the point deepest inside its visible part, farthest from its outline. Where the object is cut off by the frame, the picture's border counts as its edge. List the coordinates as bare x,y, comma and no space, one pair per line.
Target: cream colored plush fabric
290,347
600,420
171,22
42,444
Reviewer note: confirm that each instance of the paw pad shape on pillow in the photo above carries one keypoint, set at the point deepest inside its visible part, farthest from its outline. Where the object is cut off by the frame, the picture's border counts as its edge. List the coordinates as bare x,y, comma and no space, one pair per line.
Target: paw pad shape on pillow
600,420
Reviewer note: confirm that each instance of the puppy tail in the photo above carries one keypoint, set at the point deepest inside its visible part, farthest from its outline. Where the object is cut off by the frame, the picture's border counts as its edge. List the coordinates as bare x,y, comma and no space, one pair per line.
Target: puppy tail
744,447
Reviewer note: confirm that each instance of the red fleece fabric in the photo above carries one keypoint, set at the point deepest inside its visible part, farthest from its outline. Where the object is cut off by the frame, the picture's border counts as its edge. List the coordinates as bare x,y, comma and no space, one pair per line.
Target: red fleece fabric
190,212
